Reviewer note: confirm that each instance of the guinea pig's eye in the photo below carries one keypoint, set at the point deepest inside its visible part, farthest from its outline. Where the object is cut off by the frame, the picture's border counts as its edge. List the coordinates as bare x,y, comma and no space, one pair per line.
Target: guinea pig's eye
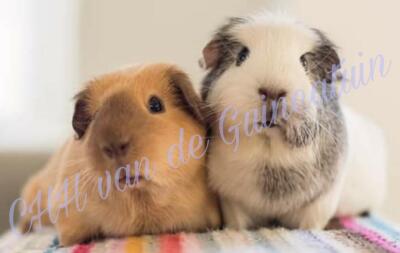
303,60
155,105
242,56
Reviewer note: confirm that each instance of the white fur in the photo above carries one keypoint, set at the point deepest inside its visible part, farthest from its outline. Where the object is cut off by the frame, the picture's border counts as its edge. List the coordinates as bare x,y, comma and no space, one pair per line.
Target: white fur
365,182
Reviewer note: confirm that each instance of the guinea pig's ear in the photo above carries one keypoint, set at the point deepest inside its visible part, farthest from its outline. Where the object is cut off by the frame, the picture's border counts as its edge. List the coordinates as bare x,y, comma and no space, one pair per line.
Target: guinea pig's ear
221,44
210,55
323,61
185,95
82,116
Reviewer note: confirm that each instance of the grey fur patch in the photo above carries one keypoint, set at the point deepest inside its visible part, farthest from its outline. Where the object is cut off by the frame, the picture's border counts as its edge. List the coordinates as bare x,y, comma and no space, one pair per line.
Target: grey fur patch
228,49
323,61
309,180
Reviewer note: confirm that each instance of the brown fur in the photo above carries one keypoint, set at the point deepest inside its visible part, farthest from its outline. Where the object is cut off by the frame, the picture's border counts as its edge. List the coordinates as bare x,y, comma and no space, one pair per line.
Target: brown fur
112,108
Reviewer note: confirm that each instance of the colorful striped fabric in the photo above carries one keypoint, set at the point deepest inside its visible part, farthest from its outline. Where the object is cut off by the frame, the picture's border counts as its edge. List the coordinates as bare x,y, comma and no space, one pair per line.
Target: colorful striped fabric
346,235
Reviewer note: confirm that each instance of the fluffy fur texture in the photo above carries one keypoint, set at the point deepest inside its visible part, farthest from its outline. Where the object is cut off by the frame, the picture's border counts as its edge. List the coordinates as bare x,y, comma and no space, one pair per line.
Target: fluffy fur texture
292,171
114,127
365,180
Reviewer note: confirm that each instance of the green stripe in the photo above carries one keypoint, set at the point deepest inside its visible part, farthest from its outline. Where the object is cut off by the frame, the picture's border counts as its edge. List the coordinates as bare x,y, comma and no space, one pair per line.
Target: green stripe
258,239
207,242
53,246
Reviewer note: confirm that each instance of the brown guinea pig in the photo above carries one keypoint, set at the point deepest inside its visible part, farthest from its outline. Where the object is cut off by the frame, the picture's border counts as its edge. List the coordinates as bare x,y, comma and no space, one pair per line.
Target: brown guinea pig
136,165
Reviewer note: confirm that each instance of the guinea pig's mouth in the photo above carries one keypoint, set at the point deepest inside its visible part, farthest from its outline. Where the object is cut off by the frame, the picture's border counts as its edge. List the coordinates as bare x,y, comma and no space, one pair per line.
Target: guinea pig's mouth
268,124
131,181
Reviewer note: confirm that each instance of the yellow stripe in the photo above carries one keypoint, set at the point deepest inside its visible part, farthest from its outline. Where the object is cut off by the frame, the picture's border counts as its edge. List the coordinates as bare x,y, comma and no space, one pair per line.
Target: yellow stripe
134,245
147,244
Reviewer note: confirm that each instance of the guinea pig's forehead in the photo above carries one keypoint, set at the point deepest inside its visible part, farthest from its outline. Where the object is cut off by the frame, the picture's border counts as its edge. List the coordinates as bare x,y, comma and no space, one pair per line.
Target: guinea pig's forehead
265,36
145,86
151,77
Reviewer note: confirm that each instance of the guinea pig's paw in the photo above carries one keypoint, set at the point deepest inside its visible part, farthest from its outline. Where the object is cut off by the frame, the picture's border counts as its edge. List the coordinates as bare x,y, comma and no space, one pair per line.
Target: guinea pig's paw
71,237
305,220
316,215
313,223
234,216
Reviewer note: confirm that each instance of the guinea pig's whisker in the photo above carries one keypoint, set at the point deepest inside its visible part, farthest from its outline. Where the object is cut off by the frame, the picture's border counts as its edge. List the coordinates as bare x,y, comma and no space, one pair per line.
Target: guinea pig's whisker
326,131
75,162
87,178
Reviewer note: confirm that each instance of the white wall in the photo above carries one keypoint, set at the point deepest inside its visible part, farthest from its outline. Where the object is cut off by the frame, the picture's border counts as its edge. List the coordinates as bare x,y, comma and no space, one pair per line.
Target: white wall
123,32
38,72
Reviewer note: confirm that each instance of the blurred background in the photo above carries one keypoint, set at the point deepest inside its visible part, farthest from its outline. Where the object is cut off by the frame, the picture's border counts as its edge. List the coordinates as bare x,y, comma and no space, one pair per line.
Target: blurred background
48,49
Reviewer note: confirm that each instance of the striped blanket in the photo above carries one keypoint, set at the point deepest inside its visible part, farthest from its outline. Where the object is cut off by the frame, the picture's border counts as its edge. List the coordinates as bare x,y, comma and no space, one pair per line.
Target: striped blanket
368,234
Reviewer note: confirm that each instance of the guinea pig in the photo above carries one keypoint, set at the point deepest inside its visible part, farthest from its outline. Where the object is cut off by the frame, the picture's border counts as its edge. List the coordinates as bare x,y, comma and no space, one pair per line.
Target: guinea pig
123,173
279,138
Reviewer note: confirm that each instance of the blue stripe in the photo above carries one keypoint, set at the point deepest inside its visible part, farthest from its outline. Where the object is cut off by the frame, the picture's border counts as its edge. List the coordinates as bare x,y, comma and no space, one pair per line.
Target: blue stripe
379,224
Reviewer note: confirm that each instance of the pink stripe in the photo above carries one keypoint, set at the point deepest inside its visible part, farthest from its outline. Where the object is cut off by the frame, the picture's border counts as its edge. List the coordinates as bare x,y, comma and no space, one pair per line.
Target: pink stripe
170,244
82,248
352,225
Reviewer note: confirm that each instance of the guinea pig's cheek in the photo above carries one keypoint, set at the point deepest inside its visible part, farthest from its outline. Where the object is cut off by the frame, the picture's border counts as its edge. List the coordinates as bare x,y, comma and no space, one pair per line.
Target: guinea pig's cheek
236,97
95,157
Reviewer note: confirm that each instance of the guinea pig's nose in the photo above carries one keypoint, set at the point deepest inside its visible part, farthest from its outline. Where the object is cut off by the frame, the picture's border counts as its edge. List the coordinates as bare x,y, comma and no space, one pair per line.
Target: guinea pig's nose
116,149
271,94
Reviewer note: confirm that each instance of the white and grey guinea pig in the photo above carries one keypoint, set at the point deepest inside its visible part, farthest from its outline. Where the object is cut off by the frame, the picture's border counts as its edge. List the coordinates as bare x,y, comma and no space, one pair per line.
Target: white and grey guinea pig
287,167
